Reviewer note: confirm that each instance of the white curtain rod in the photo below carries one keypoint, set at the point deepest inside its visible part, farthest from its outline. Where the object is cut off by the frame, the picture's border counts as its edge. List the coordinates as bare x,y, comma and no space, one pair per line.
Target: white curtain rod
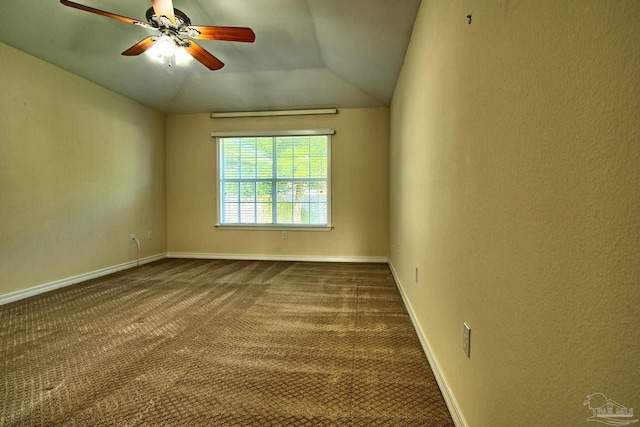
273,113
288,132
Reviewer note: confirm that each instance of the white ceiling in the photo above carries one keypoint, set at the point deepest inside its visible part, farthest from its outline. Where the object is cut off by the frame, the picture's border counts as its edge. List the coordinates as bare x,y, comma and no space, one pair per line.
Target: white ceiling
307,53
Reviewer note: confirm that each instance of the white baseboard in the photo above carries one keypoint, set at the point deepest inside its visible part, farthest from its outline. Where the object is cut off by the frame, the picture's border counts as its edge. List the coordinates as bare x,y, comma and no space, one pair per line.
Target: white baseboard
305,258
25,293
36,290
449,399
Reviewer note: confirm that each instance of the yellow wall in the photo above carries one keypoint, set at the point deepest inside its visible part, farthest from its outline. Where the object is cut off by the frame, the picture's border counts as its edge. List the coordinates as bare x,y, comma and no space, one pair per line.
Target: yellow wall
515,188
360,175
80,169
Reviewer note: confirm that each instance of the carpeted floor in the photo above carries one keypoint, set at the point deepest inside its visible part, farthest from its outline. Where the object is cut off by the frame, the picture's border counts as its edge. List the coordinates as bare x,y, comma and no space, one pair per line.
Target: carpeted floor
233,343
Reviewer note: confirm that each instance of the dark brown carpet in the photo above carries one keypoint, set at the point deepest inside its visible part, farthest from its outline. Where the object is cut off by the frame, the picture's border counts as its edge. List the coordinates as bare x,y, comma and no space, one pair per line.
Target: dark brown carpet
199,342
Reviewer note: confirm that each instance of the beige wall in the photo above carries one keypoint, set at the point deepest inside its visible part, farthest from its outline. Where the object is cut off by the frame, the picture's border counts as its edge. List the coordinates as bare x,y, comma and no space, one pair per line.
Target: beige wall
515,188
360,174
80,169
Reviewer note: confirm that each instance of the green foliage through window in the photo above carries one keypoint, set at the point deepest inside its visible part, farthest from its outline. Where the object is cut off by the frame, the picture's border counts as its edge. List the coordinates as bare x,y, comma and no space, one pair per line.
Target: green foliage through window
280,180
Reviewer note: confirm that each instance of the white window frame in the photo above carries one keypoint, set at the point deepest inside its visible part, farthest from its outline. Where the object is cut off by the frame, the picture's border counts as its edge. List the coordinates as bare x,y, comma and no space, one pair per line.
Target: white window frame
273,133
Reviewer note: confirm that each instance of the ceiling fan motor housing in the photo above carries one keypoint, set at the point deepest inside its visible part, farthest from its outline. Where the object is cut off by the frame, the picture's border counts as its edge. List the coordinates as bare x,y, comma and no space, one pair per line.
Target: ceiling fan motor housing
182,20
166,27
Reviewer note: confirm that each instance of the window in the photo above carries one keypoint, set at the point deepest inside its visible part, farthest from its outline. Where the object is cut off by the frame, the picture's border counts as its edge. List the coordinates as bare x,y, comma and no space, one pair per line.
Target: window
267,180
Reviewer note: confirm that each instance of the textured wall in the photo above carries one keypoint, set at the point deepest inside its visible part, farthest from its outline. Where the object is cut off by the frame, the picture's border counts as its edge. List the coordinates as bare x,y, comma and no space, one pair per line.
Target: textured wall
360,189
515,188
80,169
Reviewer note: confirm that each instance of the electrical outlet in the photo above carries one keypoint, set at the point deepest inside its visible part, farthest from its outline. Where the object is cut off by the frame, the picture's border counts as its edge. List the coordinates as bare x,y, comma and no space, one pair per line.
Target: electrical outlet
132,238
149,235
466,340
284,235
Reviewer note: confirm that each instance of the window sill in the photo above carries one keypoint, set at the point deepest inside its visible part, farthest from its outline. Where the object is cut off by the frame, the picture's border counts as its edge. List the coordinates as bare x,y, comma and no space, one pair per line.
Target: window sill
275,227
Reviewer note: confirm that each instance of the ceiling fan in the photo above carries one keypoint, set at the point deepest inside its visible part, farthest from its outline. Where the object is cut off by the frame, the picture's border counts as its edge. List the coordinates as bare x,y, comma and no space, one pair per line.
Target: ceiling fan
175,32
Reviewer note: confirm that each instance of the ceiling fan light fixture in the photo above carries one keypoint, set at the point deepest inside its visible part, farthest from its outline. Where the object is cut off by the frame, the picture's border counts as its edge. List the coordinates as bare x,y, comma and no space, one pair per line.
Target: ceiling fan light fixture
165,46
182,56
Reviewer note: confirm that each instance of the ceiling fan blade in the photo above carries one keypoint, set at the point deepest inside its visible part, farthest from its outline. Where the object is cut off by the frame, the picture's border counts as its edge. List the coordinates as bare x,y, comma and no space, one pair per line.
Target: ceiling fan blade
231,34
205,58
140,47
103,13
164,7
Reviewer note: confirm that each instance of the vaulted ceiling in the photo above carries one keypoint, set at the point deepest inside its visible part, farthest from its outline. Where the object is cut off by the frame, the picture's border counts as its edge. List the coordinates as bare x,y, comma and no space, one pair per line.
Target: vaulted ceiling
307,53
